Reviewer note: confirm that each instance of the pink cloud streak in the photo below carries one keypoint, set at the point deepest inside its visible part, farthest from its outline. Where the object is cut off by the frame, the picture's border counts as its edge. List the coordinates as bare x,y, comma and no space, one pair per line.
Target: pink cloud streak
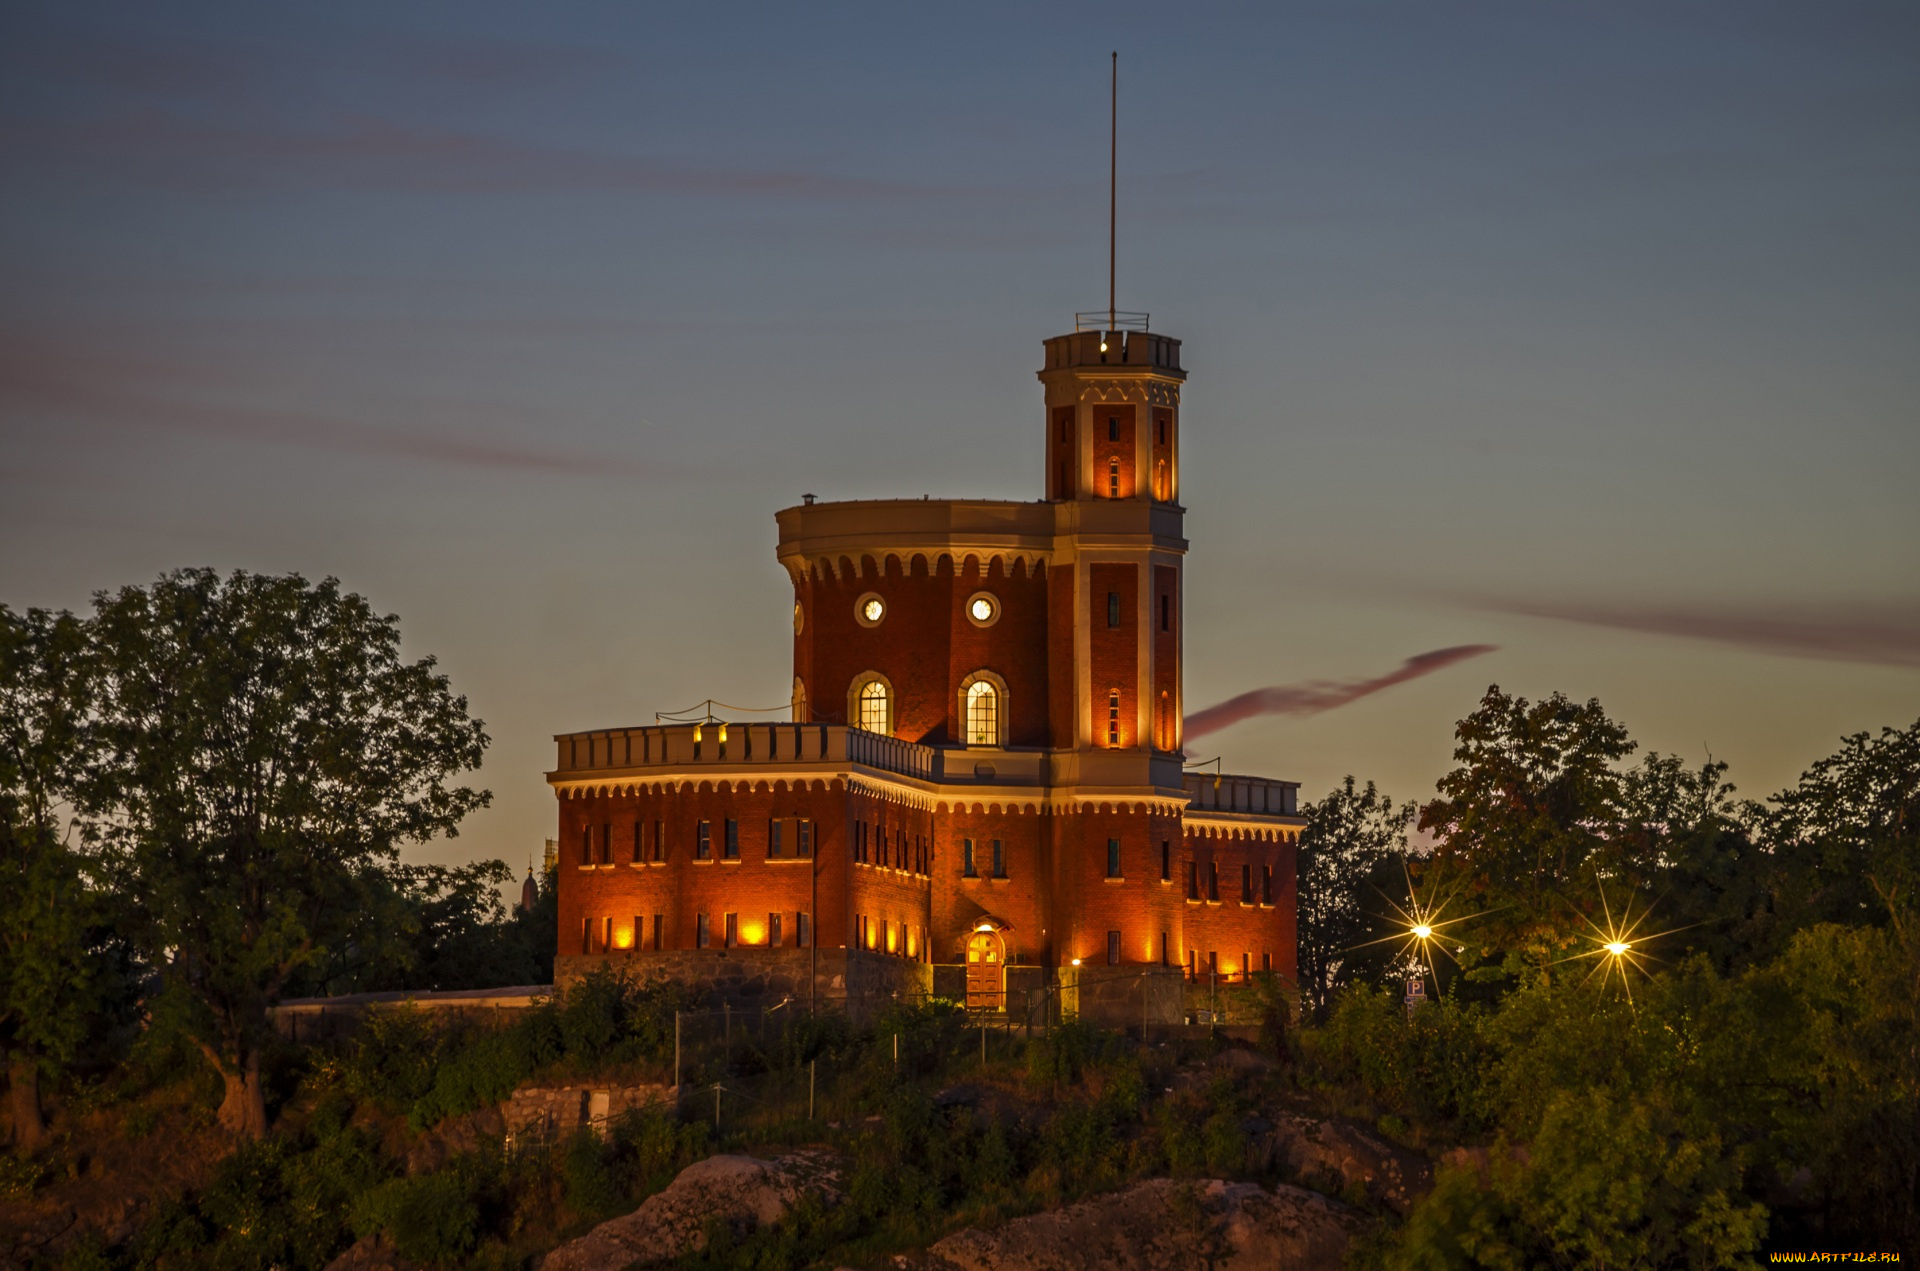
1315,696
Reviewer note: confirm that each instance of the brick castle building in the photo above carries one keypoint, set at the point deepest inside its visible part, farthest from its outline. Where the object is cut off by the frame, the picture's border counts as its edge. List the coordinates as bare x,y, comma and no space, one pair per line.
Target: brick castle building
983,767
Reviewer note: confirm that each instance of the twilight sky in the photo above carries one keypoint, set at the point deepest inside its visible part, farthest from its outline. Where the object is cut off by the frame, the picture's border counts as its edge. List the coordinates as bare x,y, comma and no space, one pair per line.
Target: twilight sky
1588,332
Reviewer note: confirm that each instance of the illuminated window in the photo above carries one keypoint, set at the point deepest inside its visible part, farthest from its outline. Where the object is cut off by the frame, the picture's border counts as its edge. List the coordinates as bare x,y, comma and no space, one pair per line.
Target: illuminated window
983,714
869,610
1113,478
983,609
1113,717
967,869
804,838
873,705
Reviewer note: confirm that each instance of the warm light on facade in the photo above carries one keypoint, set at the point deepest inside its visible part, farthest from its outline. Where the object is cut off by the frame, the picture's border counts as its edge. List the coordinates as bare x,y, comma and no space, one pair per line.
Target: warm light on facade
753,933
623,937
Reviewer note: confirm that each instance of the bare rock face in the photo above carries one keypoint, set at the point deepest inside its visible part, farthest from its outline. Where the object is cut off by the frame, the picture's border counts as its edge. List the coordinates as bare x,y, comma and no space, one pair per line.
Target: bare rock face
740,1190
370,1253
1339,1157
1165,1224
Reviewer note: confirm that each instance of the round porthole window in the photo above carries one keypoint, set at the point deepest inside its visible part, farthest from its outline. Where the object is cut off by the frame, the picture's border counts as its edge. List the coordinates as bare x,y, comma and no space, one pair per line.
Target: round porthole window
870,609
983,609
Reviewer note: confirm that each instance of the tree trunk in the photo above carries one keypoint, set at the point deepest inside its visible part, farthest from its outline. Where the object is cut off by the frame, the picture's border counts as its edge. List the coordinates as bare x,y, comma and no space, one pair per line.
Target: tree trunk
23,1079
243,1112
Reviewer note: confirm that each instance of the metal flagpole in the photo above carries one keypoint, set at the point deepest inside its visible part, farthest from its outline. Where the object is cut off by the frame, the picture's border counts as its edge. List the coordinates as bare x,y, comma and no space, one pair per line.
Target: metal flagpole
1113,186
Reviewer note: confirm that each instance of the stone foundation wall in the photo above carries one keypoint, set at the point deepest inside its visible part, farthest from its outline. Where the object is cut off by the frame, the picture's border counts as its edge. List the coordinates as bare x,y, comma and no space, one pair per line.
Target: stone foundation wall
1122,997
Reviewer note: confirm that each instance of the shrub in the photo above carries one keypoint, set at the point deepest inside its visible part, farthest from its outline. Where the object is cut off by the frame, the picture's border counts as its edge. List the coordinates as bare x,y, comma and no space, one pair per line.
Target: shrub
431,1218
1061,1057
393,1056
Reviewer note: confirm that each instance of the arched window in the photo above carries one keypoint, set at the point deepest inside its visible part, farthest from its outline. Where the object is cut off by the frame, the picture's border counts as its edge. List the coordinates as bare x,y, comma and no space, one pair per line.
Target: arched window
983,709
983,714
875,707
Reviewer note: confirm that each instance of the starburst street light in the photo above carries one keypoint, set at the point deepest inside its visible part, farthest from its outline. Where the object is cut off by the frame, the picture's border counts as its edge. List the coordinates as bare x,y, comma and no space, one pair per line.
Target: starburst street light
1618,945
1420,935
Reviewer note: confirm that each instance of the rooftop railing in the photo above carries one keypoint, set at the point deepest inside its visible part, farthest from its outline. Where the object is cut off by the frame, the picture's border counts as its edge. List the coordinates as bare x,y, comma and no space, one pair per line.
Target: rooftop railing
731,745
1229,793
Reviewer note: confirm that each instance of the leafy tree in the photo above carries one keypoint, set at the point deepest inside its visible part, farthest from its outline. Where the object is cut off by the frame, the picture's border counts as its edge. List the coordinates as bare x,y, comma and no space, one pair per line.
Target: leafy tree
50,984
1846,839
262,748
1352,854
434,927
1530,817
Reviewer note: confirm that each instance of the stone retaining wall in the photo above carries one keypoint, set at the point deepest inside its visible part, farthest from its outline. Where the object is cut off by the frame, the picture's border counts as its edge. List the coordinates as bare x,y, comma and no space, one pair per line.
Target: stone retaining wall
556,1111
843,979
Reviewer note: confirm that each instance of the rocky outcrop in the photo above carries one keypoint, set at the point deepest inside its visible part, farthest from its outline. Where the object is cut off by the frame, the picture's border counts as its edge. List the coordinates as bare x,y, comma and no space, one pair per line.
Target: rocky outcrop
370,1253
742,1191
1164,1225
1345,1160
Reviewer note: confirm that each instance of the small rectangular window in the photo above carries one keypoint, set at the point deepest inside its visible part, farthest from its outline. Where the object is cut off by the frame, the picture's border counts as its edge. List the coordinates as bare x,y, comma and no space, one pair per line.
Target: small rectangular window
1166,610
1266,884
659,840
702,937
999,860
1113,428
803,930
606,843
659,923
732,843
1166,860
1193,880
1246,884
1113,609
1246,966
1266,961
966,859
606,934
804,845
586,935
1213,880
1113,948
773,839
1165,952
703,844
1113,858
1163,432
773,931
639,841
732,930
586,845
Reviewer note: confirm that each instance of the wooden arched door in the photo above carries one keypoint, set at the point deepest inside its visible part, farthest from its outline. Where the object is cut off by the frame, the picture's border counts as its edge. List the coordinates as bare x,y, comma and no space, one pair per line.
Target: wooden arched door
986,972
